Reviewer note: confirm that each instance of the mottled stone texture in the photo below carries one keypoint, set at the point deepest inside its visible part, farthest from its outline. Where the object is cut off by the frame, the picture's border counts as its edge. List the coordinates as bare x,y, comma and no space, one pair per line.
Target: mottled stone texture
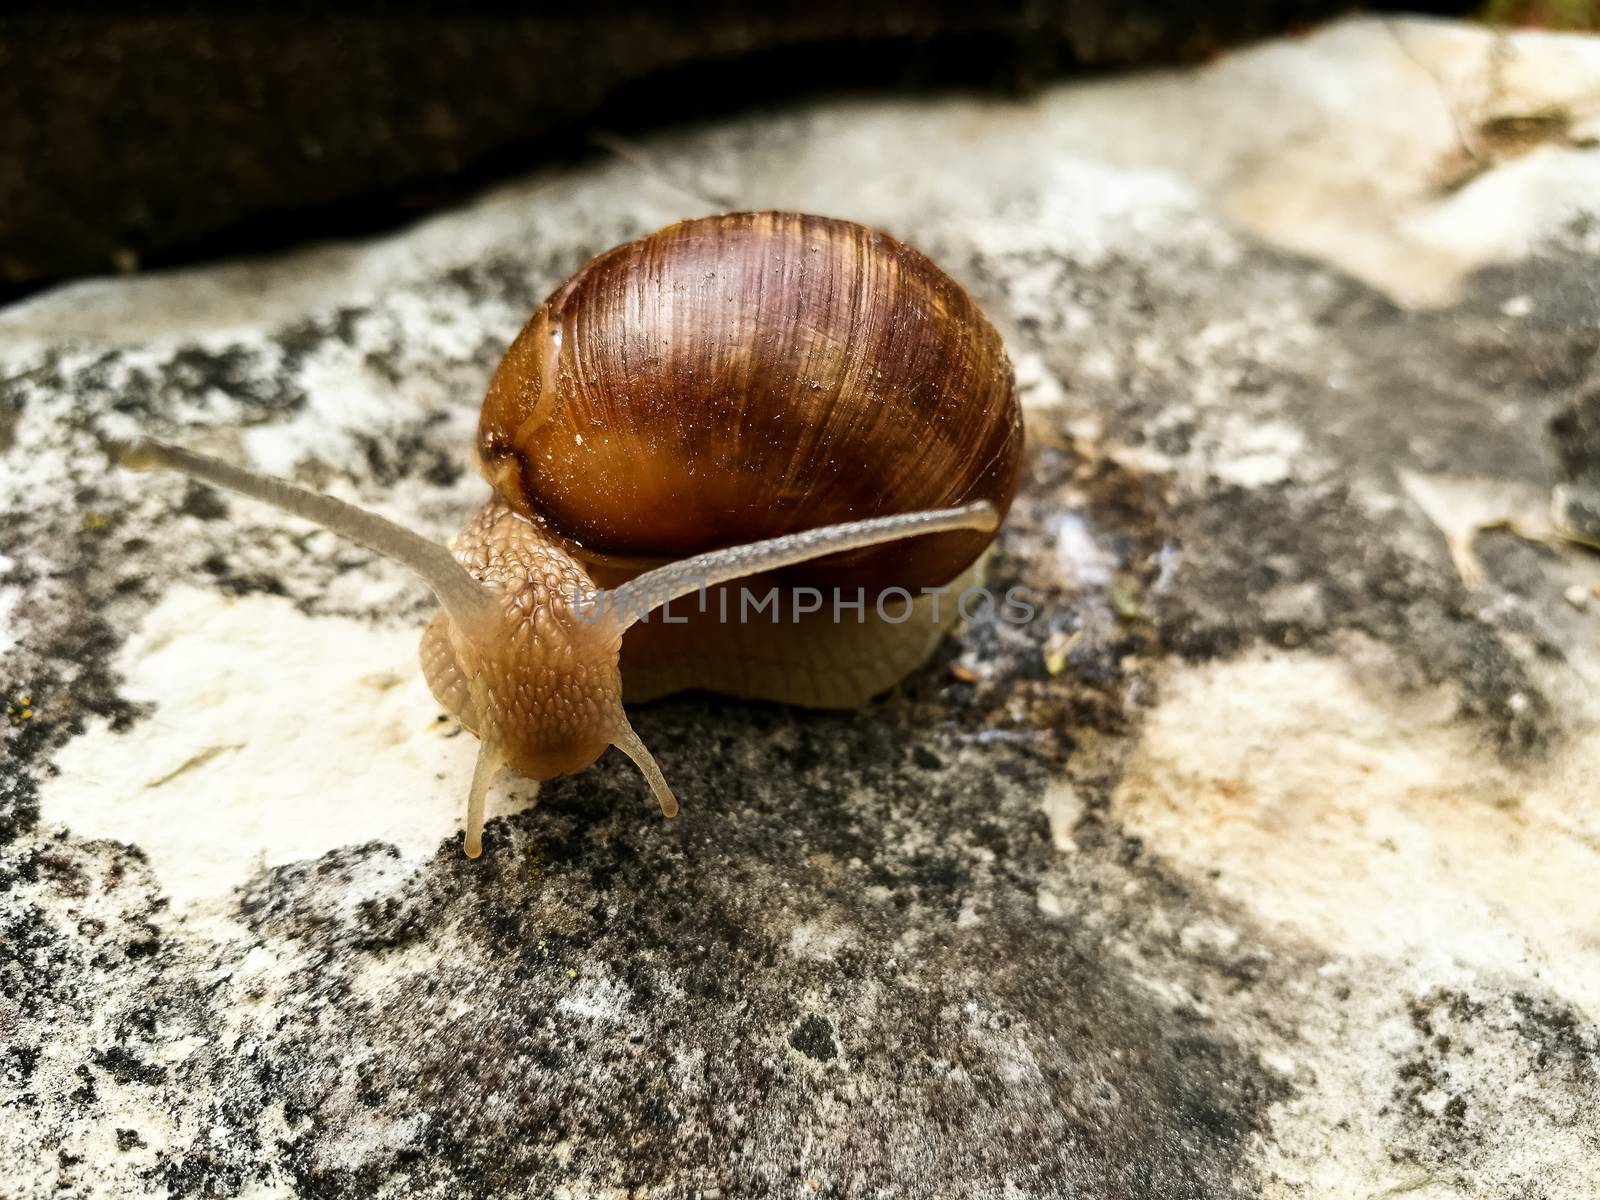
1260,863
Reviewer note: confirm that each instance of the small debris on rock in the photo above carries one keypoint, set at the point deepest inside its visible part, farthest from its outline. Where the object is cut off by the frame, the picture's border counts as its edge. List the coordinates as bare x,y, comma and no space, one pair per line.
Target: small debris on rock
1058,648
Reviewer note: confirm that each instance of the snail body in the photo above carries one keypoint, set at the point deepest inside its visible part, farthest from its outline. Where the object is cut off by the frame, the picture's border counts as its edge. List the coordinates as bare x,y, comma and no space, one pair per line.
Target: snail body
794,402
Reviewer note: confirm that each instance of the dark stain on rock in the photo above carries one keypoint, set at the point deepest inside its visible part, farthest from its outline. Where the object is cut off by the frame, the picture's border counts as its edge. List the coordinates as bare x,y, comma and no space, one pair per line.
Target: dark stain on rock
1453,1073
206,503
813,1037
1559,1036
1575,431
124,1067
392,458
241,374
311,903
70,679
241,583
20,1062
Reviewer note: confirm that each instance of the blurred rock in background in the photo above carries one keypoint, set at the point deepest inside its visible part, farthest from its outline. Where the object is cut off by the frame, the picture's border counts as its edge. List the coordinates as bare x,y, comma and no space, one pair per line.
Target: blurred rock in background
139,139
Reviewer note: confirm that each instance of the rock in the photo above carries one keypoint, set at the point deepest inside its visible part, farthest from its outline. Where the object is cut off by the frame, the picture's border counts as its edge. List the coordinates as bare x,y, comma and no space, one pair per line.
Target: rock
148,138
1282,884
1575,430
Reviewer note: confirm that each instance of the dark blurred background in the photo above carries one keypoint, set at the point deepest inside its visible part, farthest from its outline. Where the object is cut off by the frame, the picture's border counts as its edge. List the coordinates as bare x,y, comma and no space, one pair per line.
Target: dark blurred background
154,135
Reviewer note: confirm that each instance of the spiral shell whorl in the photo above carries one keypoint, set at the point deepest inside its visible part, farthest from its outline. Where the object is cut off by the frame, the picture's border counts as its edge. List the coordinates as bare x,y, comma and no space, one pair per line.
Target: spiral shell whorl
737,377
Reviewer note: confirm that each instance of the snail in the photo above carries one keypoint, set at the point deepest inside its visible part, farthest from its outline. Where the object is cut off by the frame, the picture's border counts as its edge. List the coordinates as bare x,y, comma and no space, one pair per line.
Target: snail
766,394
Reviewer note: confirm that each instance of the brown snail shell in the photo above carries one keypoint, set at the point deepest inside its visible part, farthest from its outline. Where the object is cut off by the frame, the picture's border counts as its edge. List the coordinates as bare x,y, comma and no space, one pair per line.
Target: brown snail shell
738,377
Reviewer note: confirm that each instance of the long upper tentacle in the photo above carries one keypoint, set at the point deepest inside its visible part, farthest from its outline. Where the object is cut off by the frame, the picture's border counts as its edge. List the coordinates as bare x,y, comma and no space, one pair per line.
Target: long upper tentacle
464,598
636,599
